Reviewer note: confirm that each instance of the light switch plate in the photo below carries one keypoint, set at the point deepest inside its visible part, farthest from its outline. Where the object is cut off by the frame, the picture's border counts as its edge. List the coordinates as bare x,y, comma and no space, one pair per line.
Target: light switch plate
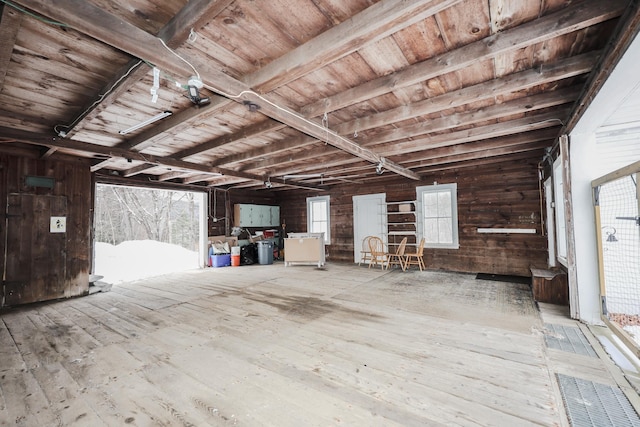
58,224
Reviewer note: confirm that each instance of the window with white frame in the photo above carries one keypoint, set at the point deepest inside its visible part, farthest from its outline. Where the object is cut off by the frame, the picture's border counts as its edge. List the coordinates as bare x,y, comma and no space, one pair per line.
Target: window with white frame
558,202
437,210
318,217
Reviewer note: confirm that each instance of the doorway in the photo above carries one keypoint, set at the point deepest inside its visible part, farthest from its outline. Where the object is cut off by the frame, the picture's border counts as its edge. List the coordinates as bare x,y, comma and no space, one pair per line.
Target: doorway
144,232
369,219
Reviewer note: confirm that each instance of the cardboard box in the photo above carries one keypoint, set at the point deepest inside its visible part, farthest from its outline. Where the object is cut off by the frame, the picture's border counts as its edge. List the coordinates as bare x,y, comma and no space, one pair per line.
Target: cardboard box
232,240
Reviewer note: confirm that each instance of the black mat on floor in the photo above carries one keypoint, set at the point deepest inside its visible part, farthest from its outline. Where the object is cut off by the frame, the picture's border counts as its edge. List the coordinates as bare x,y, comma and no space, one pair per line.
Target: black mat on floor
504,278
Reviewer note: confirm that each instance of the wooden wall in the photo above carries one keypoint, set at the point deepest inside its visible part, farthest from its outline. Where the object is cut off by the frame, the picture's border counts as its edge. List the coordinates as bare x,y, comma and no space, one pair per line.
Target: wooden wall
501,195
40,265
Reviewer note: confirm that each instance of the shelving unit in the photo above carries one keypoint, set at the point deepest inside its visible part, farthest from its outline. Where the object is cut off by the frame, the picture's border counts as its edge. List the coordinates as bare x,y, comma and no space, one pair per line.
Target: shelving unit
401,223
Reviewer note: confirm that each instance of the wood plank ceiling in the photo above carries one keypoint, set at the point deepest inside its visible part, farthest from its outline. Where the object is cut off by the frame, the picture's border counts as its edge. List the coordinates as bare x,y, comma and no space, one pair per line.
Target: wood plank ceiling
306,93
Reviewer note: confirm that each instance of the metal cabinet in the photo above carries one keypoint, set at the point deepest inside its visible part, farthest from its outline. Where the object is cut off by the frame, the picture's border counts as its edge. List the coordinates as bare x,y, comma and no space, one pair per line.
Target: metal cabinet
247,215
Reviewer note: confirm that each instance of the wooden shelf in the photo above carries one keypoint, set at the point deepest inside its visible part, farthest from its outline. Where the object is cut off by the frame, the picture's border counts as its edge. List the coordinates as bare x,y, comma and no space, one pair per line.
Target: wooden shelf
397,230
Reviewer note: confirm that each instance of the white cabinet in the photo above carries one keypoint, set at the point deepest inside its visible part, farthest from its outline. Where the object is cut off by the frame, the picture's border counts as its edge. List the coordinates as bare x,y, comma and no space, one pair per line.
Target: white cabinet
247,215
304,248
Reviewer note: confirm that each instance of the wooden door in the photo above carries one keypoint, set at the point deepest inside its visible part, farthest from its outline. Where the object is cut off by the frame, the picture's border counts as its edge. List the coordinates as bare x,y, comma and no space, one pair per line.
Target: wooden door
369,219
35,257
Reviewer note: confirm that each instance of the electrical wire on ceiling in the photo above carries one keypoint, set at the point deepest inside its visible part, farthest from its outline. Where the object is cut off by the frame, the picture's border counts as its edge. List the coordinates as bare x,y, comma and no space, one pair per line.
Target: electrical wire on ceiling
291,113
61,133
180,57
323,126
216,90
33,15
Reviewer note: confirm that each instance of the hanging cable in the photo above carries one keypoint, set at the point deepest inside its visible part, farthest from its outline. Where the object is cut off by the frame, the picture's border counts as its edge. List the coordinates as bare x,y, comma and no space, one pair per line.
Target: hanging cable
96,102
180,57
33,15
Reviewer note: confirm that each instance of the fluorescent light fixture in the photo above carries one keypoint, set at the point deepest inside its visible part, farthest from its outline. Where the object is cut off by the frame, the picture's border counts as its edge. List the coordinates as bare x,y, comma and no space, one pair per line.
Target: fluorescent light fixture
146,122
308,175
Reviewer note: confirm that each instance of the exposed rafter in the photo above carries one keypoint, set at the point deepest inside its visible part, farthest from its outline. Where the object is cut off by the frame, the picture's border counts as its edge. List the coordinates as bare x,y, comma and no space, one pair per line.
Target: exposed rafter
193,14
10,21
14,135
545,28
107,28
529,105
565,21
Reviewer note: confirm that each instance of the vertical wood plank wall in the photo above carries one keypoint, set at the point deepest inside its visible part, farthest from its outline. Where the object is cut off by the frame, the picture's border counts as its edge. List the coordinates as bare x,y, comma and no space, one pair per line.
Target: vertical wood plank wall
504,195
73,182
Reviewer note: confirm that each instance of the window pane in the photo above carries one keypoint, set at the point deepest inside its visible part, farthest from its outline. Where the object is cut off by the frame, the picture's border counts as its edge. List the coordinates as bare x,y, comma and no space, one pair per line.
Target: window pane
444,204
445,232
430,205
319,211
319,227
431,230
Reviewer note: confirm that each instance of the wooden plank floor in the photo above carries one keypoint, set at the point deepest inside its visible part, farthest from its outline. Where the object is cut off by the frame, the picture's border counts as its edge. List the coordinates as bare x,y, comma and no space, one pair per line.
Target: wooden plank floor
275,346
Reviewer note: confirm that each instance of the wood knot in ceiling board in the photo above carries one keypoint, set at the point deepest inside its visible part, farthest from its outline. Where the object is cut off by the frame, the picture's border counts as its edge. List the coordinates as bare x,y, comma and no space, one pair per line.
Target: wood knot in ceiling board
141,14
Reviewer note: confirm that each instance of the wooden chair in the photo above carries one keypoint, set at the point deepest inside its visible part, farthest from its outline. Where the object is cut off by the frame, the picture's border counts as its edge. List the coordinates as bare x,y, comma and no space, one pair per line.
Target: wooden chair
365,252
397,258
378,254
415,258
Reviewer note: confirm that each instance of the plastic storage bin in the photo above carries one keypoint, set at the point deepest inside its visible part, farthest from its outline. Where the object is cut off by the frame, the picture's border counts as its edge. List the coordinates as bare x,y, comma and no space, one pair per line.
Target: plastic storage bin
220,260
265,252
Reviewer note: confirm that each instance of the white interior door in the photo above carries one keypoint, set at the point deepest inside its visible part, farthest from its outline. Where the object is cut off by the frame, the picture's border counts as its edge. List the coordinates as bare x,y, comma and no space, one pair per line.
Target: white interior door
369,219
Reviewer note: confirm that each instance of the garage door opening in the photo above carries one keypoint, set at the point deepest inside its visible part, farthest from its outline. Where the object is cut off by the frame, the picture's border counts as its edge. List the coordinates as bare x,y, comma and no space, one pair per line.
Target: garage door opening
141,232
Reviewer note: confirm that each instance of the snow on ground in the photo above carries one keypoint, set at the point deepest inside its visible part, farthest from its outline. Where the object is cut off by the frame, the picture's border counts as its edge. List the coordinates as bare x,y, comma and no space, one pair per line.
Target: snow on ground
137,259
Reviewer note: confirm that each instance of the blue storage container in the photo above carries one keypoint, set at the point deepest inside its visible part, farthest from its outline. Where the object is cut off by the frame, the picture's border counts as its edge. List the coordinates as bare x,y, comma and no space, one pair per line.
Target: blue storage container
221,260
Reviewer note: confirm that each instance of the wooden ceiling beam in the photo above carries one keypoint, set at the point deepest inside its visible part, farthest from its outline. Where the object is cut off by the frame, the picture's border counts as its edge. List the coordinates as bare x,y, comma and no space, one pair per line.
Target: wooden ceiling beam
173,175
37,139
563,69
485,154
10,22
248,132
481,163
526,124
538,138
195,13
570,19
626,31
138,169
372,24
479,148
499,111
388,16
101,25
482,91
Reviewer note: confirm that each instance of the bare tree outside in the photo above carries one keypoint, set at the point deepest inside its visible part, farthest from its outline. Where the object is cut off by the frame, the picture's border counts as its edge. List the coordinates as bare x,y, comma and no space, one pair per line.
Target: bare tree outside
126,213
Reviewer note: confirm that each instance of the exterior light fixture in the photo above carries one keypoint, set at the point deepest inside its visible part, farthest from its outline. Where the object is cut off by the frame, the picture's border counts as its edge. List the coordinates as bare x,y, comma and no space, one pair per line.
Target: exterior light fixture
146,122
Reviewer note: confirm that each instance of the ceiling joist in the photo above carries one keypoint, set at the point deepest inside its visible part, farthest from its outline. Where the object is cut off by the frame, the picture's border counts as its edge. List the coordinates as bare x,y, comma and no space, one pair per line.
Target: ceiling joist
107,28
14,135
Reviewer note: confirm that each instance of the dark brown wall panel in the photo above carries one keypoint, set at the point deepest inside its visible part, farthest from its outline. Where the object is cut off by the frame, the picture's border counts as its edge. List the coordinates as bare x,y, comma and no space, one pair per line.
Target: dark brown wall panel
41,265
504,195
